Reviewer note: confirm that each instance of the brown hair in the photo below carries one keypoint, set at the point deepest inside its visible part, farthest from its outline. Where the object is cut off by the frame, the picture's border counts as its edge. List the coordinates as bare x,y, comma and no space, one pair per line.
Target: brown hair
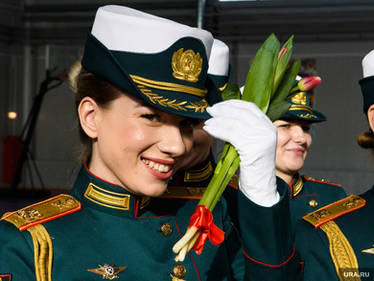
366,139
86,84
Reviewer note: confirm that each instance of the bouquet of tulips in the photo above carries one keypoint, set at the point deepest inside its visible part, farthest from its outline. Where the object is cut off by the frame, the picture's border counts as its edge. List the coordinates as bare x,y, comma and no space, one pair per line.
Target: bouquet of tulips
270,83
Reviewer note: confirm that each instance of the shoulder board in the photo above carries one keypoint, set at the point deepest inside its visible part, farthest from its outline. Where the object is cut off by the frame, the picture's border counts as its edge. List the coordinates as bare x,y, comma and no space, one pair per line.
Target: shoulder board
47,210
335,210
184,192
321,181
234,182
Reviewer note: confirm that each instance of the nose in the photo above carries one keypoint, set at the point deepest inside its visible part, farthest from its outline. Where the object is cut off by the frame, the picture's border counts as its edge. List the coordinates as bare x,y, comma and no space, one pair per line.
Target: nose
172,142
298,134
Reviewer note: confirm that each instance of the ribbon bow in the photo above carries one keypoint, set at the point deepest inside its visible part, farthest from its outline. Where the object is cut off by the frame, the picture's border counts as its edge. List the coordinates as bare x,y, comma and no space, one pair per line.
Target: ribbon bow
202,219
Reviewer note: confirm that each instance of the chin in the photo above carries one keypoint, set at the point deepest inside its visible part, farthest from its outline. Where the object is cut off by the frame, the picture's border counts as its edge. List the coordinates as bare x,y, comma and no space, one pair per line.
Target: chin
156,191
295,169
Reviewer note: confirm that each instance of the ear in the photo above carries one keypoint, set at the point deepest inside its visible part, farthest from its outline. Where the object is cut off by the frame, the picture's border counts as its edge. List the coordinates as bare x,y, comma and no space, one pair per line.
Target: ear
370,115
87,112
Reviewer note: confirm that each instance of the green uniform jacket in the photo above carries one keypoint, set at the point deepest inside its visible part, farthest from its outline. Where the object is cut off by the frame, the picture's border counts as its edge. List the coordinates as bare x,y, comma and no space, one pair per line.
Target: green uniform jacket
103,232
308,195
338,239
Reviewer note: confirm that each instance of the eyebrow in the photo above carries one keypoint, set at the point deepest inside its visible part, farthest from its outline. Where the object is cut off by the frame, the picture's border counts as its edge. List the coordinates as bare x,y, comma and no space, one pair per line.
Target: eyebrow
142,103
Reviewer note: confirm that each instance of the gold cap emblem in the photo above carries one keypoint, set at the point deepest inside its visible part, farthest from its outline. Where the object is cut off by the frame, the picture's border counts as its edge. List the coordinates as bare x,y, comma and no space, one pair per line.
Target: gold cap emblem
300,98
186,65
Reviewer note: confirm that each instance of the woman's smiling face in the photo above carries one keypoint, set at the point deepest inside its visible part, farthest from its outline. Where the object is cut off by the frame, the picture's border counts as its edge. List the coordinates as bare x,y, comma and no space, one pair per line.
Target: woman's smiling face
135,145
293,143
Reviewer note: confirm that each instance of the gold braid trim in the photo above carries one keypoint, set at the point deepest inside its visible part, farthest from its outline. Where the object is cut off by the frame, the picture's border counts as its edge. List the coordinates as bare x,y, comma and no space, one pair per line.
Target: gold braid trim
166,86
43,252
165,102
342,254
300,107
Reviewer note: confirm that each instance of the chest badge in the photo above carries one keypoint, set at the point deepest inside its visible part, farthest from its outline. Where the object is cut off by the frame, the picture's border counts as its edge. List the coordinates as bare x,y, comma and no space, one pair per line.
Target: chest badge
369,251
107,271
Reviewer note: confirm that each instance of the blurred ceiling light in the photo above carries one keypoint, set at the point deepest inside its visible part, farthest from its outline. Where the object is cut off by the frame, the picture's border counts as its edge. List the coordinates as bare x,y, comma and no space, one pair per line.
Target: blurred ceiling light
12,115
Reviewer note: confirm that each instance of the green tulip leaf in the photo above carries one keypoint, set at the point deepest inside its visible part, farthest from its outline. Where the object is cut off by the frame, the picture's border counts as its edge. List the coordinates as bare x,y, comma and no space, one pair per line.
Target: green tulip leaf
276,110
259,83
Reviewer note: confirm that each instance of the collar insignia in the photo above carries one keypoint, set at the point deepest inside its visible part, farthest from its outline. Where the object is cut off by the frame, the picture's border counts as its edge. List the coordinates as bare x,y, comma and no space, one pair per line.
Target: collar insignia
369,251
108,271
297,186
199,175
107,198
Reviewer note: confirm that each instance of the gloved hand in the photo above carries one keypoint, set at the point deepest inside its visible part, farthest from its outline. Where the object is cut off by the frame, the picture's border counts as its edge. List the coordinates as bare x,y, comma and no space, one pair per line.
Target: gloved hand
254,136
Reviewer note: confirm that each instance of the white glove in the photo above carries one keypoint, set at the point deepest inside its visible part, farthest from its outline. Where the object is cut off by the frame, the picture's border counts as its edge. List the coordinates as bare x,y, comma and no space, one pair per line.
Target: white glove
254,136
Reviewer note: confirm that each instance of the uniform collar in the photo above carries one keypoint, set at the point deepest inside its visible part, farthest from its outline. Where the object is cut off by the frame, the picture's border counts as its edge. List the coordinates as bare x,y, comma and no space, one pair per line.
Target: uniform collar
296,185
108,197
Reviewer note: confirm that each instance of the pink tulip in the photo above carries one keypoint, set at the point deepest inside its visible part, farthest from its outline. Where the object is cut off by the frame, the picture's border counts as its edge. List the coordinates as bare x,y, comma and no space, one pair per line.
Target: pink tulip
308,83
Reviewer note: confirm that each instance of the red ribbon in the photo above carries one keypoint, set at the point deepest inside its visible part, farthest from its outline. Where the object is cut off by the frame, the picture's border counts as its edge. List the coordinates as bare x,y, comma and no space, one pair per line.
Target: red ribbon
202,219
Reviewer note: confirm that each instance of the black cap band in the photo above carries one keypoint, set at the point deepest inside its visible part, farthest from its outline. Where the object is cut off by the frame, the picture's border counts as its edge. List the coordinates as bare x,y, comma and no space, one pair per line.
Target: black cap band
367,89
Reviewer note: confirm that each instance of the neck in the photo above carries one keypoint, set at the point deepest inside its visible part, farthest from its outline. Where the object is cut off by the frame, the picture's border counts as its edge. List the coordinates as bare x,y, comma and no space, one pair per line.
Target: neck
284,176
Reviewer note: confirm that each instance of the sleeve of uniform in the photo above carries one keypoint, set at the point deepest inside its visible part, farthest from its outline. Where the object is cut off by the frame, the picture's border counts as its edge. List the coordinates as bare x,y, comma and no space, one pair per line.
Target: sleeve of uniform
16,254
266,237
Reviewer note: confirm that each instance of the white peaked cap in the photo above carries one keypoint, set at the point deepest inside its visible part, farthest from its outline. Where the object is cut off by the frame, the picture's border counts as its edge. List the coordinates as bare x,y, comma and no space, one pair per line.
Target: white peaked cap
121,28
219,59
368,65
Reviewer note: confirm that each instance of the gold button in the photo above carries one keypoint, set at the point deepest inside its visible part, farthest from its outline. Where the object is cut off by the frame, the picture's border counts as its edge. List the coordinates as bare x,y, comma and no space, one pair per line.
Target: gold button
179,270
166,229
313,203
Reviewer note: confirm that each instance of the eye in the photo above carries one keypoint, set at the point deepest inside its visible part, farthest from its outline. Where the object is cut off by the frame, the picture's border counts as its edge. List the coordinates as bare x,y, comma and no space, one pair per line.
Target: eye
306,128
190,122
285,126
151,117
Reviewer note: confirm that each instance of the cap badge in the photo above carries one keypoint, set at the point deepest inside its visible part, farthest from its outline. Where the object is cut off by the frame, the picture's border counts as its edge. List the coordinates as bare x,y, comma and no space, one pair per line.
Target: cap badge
186,65
108,271
300,98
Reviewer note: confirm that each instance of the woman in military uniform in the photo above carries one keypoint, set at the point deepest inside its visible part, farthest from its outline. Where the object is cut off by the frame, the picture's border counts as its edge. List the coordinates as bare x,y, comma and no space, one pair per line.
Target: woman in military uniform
143,83
336,242
294,141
